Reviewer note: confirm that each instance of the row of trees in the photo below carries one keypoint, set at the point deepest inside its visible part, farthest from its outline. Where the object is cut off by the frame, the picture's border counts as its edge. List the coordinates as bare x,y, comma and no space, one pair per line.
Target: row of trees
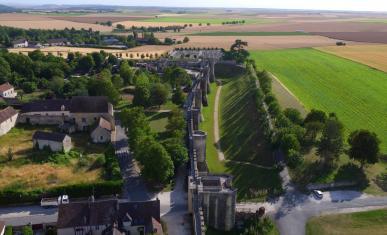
294,134
158,159
234,22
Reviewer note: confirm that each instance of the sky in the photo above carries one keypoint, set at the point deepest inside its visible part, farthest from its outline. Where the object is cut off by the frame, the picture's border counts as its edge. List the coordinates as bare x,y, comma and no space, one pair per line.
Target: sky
353,5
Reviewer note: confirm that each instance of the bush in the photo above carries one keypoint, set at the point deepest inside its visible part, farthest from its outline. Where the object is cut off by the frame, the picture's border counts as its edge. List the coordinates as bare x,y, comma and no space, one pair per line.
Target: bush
294,158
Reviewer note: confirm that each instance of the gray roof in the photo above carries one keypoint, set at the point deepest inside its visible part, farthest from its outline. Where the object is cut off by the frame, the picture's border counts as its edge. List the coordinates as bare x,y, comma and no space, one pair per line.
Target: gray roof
78,104
51,136
107,212
7,113
18,41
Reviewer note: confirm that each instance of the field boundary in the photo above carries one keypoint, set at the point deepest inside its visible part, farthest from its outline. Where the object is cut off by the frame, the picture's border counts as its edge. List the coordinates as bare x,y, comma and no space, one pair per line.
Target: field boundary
216,125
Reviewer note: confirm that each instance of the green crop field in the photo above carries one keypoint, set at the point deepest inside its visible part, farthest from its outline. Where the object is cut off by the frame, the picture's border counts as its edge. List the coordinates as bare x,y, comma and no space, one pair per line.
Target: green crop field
370,222
355,92
250,34
204,20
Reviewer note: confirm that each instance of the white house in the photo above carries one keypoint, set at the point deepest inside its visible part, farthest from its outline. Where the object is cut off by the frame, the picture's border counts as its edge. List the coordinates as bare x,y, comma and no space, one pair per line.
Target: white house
7,91
104,132
20,43
8,117
57,142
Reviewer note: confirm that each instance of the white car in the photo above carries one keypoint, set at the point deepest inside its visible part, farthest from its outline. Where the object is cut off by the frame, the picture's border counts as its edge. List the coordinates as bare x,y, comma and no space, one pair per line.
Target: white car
318,194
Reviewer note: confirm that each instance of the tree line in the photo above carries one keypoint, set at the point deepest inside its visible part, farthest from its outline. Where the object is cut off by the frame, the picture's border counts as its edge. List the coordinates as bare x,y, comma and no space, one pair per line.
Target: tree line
293,134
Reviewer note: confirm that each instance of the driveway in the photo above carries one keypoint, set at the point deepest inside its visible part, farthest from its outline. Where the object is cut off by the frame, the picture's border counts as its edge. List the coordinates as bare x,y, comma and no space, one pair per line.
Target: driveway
292,211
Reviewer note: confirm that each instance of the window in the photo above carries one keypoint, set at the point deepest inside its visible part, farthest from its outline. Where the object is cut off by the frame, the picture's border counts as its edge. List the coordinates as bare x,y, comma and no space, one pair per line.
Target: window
79,231
101,137
83,119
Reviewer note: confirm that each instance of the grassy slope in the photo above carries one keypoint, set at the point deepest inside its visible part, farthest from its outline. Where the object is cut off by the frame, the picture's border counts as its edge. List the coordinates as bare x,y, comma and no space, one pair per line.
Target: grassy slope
355,92
371,222
240,142
249,34
158,121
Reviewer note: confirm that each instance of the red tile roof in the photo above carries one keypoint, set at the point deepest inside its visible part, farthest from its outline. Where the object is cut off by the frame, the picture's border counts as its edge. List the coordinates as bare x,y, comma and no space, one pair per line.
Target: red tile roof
5,87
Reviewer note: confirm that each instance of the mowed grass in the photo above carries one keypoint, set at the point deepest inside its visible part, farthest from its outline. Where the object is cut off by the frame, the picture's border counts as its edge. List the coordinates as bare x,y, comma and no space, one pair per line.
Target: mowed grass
250,34
205,20
359,223
157,121
240,142
355,92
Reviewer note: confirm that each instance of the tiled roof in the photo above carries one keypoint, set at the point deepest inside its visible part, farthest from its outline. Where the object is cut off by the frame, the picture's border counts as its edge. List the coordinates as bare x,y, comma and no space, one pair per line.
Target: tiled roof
5,87
52,136
7,113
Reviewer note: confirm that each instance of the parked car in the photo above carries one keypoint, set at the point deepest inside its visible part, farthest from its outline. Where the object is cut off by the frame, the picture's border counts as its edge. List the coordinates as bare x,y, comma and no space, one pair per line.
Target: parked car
54,202
317,194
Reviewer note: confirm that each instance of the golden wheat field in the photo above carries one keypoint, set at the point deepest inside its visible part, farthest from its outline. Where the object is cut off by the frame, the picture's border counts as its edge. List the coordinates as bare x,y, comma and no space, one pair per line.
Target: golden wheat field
373,55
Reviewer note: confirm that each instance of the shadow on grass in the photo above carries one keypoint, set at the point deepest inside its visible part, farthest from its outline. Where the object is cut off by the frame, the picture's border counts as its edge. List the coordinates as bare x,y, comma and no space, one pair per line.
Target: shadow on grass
241,139
254,184
352,172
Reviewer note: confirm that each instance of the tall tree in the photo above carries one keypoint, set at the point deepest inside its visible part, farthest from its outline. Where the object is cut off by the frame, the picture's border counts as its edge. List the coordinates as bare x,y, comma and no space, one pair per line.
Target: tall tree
364,147
158,94
126,73
331,143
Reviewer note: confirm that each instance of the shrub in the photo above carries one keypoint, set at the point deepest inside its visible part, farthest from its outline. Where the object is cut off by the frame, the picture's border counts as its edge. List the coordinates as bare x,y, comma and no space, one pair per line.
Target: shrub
294,158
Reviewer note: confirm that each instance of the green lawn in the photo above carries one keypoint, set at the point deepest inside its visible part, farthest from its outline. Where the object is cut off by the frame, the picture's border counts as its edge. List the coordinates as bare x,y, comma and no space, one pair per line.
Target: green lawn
359,223
158,121
204,20
240,141
249,34
355,92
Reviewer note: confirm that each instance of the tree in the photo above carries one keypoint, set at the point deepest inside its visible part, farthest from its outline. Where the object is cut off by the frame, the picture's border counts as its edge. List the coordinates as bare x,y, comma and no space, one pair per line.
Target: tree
315,116
126,73
103,87
29,87
289,142
86,63
294,115
99,59
177,77
176,123
120,27
262,226
157,165
5,70
168,41
178,97
36,55
56,85
176,149
186,39
117,81
141,95
364,147
27,230
331,142
135,121
158,94
238,52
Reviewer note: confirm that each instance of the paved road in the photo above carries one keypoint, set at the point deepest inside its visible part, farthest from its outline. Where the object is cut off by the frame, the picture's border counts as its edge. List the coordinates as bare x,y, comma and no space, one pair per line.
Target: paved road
292,211
22,215
134,186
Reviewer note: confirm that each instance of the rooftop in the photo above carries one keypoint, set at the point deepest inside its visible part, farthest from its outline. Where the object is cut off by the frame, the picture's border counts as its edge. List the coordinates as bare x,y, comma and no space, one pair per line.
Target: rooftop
51,136
7,113
5,87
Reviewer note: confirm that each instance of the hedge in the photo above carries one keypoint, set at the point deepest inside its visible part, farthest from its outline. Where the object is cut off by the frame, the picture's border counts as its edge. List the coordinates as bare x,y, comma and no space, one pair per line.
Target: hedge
76,190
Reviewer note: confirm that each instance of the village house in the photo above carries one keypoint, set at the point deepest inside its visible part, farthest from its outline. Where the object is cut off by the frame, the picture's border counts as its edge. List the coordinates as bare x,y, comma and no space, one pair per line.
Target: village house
109,217
56,42
7,91
20,43
104,132
2,228
57,142
8,117
82,111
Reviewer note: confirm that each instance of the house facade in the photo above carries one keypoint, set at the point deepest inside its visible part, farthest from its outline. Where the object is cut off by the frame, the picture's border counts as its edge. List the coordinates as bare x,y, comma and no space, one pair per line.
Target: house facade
57,142
8,117
82,111
104,132
7,91
20,43
109,217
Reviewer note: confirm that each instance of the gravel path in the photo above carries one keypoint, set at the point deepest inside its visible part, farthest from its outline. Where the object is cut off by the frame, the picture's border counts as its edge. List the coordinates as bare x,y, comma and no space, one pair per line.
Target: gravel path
216,125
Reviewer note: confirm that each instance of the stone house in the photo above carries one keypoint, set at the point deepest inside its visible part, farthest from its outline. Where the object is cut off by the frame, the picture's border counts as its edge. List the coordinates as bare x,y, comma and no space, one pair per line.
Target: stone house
20,43
8,117
7,91
57,142
109,217
83,111
57,42
104,132
2,228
